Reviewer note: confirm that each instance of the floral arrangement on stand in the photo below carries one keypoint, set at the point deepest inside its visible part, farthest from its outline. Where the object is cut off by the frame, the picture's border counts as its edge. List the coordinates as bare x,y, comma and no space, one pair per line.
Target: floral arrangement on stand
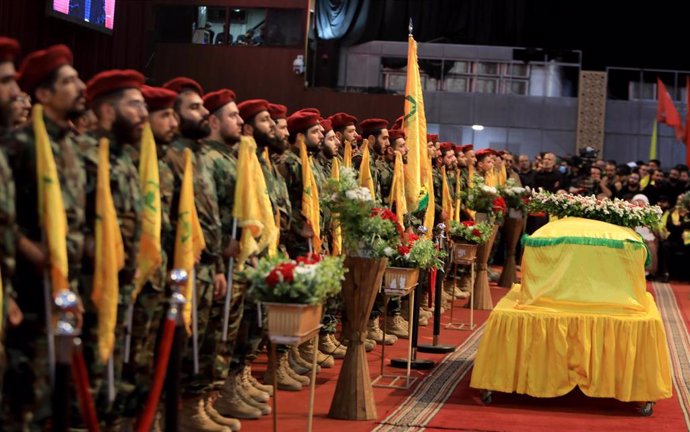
367,230
485,199
307,279
515,197
470,232
414,252
684,201
616,211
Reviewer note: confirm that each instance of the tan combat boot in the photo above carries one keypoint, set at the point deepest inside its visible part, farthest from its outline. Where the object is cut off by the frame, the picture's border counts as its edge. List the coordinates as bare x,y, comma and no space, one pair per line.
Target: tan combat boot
375,333
302,379
193,417
298,364
306,351
327,346
267,389
230,403
245,390
397,325
339,345
284,380
215,416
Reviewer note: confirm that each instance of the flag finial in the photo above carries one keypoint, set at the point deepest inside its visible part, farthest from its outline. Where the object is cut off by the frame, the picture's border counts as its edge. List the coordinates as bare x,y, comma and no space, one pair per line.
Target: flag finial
409,27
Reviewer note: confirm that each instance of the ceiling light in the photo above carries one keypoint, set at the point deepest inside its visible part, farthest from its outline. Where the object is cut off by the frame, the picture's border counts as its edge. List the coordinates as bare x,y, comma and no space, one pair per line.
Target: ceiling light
478,127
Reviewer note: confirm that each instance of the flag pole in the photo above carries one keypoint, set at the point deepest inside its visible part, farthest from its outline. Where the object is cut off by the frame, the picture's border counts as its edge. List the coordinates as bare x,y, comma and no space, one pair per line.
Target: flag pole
195,325
409,28
48,304
128,330
228,294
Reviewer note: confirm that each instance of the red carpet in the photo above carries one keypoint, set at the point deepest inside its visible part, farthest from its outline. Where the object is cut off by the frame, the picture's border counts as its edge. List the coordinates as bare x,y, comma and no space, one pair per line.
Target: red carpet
463,409
292,406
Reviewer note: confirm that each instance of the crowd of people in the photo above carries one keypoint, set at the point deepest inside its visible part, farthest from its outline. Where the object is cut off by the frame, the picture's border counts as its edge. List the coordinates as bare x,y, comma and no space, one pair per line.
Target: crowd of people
46,99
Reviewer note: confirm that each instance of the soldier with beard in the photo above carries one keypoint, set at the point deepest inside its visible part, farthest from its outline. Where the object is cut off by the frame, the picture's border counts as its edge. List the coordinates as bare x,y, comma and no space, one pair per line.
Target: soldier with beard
447,160
345,132
375,133
49,77
210,271
220,159
9,90
116,100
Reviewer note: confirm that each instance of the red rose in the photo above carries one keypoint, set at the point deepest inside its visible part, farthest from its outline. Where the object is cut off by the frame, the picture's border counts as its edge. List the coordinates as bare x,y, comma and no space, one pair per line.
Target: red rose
468,223
403,249
476,233
499,204
283,272
410,238
310,258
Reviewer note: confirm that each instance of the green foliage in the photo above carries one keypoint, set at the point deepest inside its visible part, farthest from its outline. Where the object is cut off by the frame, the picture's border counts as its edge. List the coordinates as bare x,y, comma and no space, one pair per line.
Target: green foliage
470,232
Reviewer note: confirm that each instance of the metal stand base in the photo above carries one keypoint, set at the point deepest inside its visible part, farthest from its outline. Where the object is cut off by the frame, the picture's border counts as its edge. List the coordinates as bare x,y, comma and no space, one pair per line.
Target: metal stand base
436,349
416,364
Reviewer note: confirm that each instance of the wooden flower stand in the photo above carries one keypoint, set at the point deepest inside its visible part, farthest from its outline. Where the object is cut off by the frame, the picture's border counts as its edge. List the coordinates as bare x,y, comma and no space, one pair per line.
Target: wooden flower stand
464,254
354,395
398,282
482,294
292,324
512,229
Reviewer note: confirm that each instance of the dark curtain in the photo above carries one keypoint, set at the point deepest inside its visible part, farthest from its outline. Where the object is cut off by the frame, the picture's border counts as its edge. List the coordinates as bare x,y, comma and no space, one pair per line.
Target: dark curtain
334,18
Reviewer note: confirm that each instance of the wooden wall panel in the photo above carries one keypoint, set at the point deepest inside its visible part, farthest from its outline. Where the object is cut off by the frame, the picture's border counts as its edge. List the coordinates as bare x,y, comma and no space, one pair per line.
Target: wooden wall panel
264,72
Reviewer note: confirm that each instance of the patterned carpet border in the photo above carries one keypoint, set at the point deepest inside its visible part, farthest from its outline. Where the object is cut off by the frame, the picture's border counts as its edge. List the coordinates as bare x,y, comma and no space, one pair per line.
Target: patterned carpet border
679,344
428,398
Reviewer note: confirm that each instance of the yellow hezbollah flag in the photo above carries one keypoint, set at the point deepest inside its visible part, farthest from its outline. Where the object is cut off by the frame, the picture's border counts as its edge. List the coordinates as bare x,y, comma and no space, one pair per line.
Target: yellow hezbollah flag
51,210
252,208
274,246
267,158
397,195
502,175
365,179
189,239
310,196
446,199
337,234
149,258
347,154
415,130
456,210
109,256
652,144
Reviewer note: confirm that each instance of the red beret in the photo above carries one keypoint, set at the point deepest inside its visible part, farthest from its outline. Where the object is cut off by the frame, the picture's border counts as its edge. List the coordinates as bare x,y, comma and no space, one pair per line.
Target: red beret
370,125
181,83
158,98
252,107
301,121
446,146
9,48
111,81
398,122
432,138
394,134
484,152
457,149
218,99
467,147
38,66
309,110
341,119
327,125
277,111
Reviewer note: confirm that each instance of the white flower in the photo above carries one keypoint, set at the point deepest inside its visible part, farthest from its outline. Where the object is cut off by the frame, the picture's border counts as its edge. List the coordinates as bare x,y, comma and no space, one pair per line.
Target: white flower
489,189
388,251
306,269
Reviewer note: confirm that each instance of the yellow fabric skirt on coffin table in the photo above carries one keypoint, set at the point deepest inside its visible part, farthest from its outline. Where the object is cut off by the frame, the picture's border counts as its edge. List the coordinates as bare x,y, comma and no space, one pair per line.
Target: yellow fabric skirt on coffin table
582,317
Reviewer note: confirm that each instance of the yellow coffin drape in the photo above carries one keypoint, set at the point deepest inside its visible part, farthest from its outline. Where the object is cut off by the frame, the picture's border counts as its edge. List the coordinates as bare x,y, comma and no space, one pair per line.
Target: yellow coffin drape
582,317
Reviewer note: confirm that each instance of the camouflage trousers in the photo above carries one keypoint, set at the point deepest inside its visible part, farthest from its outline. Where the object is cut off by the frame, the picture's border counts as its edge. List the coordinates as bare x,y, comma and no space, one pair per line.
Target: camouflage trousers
332,307
250,335
207,337
226,349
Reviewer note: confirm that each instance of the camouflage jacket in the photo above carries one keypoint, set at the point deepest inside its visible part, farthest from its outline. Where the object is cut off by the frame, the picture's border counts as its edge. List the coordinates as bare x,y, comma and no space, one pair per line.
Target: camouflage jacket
278,193
222,164
290,167
21,152
125,188
7,224
385,172
205,199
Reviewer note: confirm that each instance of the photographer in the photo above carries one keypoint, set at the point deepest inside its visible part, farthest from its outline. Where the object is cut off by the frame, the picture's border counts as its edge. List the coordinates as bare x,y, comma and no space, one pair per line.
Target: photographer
593,184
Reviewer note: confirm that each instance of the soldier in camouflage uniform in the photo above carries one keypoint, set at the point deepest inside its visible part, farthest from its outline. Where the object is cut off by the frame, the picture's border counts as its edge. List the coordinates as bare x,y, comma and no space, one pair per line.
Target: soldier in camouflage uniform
276,148
220,158
8,91
302,125
447,159
210,271
345,130
49,77
119,105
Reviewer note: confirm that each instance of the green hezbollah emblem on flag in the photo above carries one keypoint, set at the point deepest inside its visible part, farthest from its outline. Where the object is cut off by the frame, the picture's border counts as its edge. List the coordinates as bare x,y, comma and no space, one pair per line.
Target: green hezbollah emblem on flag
423,199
